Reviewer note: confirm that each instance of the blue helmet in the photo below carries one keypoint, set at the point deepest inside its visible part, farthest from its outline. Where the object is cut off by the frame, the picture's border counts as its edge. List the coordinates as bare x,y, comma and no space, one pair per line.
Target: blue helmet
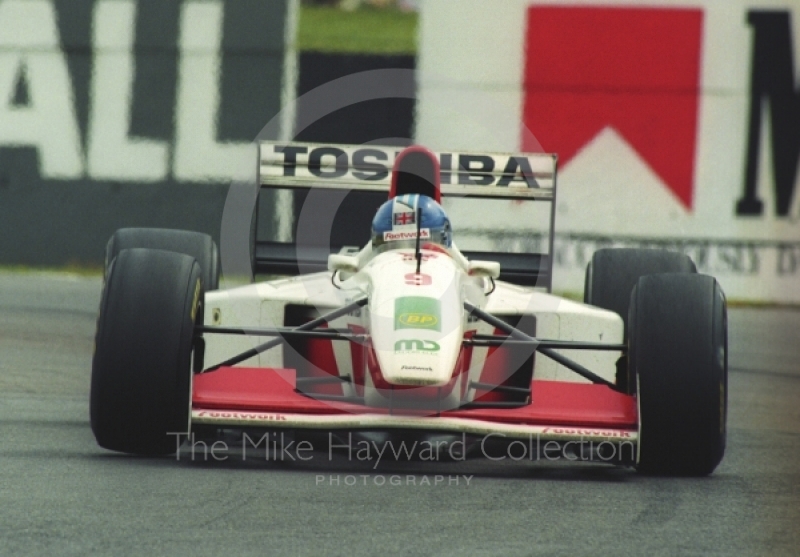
395,223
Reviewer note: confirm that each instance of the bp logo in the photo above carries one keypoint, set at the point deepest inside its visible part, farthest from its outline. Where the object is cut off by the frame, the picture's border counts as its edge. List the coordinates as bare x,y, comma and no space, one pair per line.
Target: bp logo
417,312
415,345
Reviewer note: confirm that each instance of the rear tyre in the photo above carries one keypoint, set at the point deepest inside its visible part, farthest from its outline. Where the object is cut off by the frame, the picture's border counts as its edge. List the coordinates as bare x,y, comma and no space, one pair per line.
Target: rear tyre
199,246
678,353
610,277
141,370
613,272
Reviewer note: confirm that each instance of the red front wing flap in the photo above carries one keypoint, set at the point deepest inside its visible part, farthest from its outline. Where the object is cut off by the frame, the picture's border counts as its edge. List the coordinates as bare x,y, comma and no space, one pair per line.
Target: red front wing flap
259,397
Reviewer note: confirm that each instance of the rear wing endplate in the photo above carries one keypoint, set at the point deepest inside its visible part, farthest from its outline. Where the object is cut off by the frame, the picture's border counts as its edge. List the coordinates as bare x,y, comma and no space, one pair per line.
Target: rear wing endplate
367,168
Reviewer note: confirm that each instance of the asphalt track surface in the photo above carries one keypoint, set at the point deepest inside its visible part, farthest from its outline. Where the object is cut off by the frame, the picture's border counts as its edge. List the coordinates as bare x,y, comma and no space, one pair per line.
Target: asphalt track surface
62,495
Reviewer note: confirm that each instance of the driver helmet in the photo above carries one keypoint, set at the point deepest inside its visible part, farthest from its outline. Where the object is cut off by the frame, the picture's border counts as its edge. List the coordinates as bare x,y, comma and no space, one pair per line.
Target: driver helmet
395,224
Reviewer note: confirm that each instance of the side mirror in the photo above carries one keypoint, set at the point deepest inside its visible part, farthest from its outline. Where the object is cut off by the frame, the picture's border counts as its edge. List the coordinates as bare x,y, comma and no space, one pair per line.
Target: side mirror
343,263
487,269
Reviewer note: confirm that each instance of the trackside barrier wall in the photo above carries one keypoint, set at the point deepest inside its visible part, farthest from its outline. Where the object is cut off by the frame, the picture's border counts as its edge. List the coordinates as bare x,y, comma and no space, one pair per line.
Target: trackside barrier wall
118,113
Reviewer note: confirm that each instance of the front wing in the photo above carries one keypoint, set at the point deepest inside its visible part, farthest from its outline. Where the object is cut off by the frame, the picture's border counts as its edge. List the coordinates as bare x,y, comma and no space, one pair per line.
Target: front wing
235,397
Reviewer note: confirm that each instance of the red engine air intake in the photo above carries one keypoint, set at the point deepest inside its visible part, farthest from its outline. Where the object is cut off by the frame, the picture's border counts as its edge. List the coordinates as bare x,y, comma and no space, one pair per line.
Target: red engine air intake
416,170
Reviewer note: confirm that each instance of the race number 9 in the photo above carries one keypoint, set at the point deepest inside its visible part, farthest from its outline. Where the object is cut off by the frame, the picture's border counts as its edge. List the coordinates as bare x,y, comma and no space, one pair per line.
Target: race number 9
420,279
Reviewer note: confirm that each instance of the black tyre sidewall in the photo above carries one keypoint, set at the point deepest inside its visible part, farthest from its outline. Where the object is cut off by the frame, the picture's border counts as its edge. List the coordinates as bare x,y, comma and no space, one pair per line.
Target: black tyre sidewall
610,278
678,352
195,244
141,369
587,284
613,272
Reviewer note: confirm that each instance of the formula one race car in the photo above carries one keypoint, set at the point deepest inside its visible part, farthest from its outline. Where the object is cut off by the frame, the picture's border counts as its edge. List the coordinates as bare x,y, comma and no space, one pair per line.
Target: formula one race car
406,336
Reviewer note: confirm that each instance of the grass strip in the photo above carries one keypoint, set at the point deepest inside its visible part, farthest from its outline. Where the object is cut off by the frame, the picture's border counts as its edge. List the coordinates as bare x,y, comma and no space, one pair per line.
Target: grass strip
362,31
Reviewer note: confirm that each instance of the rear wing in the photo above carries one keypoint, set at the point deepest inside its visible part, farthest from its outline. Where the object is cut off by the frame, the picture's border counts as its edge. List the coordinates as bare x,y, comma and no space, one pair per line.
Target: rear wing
363,169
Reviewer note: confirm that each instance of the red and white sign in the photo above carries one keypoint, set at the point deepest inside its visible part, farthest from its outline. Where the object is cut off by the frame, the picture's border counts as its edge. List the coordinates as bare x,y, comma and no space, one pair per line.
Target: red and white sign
611,73
673,122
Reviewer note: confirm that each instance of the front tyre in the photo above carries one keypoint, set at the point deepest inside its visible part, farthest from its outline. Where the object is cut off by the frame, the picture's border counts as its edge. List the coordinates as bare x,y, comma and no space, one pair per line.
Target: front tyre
678,348
141,371
200,246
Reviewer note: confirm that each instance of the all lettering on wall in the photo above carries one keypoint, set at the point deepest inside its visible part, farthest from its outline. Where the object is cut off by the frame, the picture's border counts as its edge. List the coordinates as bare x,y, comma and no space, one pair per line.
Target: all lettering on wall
38,101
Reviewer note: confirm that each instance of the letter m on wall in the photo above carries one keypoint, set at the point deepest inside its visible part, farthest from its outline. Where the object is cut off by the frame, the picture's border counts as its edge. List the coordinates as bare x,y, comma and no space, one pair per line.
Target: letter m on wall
772,81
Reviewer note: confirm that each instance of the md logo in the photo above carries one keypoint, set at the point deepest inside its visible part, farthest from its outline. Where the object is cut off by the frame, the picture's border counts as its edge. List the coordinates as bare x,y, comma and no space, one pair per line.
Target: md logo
413,345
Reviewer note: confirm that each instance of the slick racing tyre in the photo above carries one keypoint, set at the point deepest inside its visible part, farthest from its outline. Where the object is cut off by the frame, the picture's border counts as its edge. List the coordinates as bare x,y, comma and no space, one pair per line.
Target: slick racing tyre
610,277
141,371
678,351
200,246
613,272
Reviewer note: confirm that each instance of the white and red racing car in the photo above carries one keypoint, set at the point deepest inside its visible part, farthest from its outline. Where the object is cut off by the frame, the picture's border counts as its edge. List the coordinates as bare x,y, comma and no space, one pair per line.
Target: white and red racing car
408,335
